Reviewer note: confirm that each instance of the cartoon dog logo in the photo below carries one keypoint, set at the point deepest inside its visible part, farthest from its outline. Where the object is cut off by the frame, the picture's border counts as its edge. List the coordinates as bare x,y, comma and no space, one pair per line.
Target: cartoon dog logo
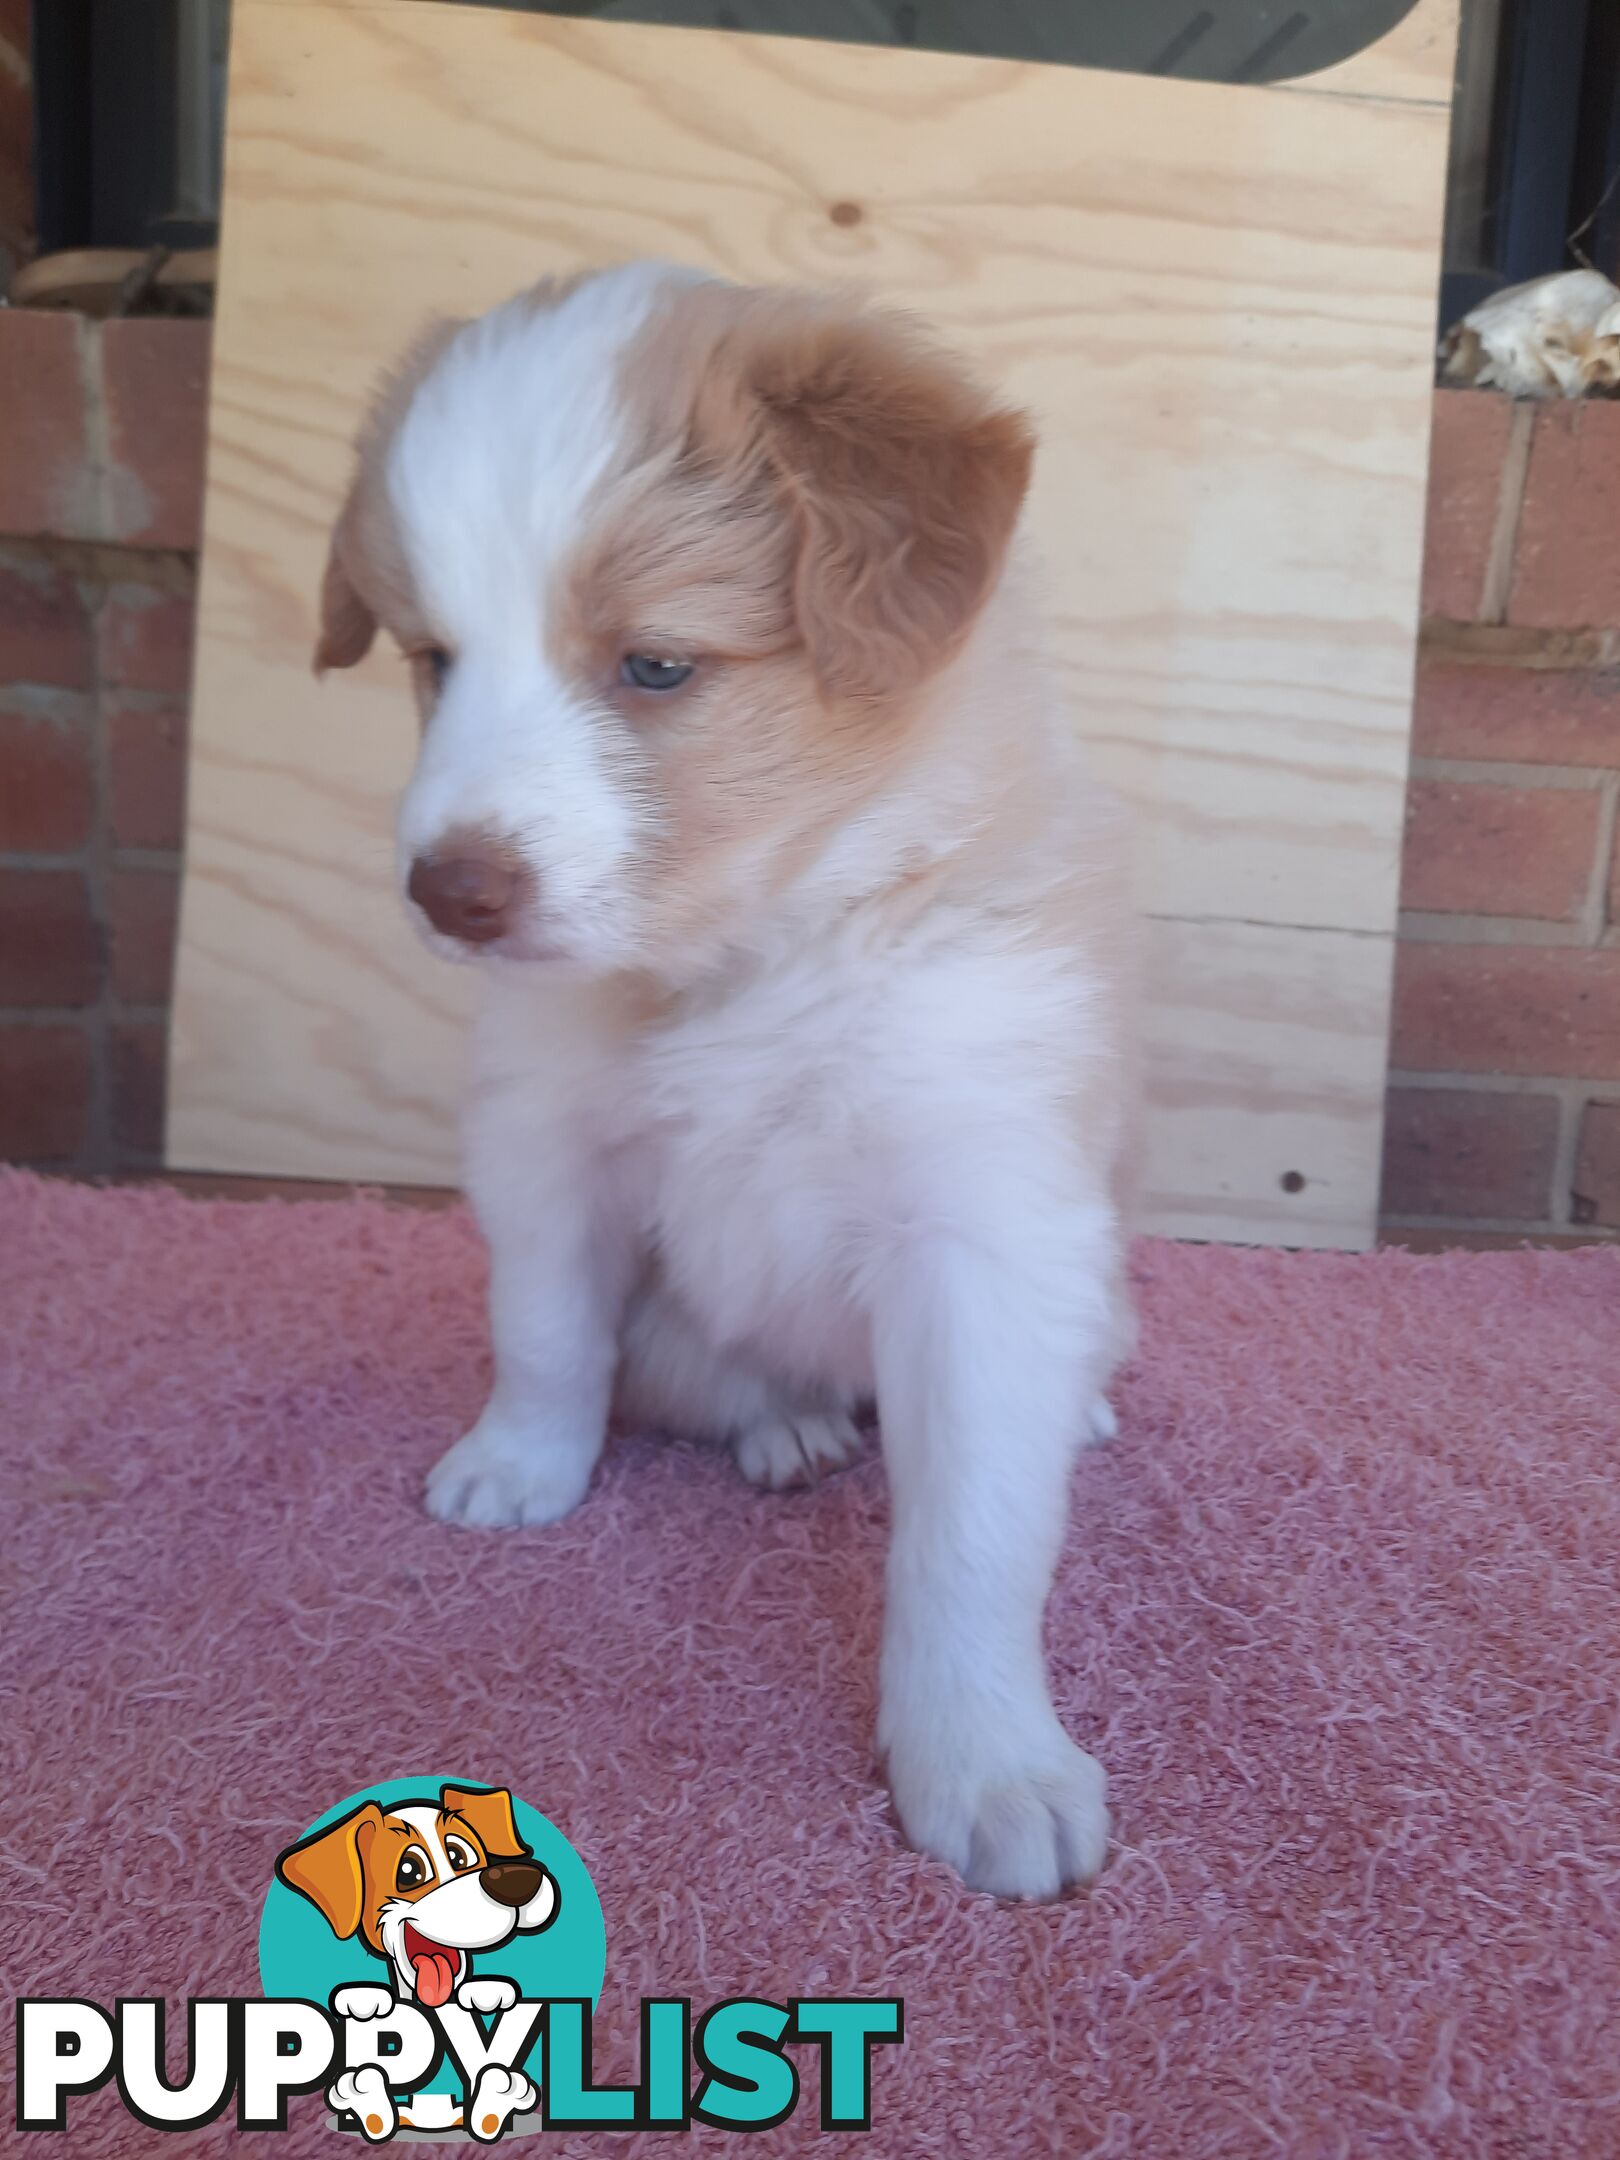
424,1884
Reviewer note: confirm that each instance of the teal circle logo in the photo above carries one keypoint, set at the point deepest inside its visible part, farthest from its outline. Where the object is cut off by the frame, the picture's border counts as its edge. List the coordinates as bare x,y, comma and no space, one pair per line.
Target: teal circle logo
418,1885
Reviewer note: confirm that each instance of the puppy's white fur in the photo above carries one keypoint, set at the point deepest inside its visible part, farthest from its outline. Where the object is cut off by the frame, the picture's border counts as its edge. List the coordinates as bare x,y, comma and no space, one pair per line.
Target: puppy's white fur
826,1103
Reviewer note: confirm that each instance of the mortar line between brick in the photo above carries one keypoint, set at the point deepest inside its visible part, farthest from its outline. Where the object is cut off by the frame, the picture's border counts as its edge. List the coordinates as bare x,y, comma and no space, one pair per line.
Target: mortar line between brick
1504,645
79,858
1595,914
100,1136
1498,587
171,571
1508,1083
1420,926
1500,1226
97,442
1487,772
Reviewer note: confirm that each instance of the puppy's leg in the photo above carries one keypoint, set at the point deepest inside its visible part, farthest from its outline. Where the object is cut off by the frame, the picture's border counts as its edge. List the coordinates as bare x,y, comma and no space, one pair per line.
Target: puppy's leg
559,1267
989,1348
671,1378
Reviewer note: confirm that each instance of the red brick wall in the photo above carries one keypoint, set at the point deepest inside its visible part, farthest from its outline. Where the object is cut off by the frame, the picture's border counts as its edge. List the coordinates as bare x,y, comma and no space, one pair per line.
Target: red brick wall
1504,1106
100,494
1504,1101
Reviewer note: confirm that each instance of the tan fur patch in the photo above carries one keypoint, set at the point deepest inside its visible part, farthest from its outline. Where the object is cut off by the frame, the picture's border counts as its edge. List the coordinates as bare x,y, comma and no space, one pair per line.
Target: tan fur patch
814,507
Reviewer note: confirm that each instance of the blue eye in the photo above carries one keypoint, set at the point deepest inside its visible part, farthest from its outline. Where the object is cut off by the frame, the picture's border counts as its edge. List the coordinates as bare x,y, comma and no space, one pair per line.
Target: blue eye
645,672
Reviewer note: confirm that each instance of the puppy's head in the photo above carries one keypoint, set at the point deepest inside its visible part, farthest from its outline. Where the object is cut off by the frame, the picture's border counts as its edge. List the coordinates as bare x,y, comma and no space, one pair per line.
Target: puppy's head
673,564
423,1884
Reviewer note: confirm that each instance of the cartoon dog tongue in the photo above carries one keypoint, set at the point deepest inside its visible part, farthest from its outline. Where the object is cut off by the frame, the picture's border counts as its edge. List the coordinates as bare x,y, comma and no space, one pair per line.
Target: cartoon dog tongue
433,1966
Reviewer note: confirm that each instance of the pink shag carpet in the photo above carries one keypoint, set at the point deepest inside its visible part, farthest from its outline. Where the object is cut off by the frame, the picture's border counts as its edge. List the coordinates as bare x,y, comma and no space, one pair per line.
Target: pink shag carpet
1339,1610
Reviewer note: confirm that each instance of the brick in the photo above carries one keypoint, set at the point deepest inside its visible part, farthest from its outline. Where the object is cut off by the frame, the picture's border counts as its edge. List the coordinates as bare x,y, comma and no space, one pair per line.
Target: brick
139,1085
44,1092
1466,451
50,953
1463,1152
1595,1196
1528,1009
1475,848
1566,570
145,910
1529,716
146,771
46,789
155,383
46,484
145,639
45,634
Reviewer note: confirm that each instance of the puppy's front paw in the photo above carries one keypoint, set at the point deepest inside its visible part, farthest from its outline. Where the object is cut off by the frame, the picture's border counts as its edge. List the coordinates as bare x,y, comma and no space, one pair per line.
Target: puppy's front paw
495,1478
1019,1821
364,2094
785,1454
362,2002
486,1996
498,2096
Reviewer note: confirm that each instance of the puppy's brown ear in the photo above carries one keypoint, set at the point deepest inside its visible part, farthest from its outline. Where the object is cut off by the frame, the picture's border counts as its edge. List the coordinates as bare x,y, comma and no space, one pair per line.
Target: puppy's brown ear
363,534
490,1815
347,622
905,478
329,1869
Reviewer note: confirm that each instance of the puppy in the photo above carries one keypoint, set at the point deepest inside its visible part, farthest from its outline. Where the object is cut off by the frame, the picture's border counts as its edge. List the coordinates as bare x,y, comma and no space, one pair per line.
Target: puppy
801,1073
424,1885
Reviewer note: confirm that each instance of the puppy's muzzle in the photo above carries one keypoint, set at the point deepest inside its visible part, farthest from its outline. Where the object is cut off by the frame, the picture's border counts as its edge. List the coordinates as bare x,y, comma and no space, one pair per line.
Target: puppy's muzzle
474,891
512,1882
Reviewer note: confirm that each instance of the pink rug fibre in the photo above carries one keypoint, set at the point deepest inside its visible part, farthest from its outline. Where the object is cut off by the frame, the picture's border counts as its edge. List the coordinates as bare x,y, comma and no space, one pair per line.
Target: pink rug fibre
1338,1610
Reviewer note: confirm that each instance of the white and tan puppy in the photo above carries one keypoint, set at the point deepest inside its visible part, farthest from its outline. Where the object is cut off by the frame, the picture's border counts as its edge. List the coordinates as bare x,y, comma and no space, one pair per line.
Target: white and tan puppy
800,1076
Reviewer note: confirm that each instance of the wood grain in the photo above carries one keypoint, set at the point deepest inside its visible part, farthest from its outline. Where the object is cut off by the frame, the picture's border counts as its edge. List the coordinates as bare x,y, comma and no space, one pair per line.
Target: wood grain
1219,301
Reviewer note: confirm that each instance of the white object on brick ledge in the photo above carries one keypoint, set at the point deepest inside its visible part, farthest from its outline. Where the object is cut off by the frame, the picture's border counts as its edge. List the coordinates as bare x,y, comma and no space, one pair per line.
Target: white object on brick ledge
1556,336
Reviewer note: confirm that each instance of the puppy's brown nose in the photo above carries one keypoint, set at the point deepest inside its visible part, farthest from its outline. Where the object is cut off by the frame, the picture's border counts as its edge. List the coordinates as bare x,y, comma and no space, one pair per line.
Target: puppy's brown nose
470,893
512,1882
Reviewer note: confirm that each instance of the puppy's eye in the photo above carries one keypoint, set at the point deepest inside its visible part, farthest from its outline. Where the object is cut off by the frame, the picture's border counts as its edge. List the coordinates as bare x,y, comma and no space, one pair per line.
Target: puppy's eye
645,671
413,1870
432,664
458,1855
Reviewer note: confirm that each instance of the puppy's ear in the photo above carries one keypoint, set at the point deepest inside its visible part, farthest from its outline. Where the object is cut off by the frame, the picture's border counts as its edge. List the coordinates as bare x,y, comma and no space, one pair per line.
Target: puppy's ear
329,1869
905,479
347,622
491,1817
362,534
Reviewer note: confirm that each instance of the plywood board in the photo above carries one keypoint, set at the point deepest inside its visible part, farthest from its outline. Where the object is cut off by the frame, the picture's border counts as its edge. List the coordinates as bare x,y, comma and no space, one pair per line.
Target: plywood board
1219,302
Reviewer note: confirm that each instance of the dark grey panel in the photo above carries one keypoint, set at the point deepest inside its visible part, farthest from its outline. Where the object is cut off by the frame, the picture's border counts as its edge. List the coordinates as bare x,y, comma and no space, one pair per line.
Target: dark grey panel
1225,41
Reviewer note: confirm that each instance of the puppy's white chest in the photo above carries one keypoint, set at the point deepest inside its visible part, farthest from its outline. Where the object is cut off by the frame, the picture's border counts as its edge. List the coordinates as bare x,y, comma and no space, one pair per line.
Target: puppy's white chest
756,1126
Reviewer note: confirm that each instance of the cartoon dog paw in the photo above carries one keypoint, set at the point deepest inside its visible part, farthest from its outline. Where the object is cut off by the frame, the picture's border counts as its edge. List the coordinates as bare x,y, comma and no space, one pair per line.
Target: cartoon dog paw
498,2096
362,2002
364,2093
486,1996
